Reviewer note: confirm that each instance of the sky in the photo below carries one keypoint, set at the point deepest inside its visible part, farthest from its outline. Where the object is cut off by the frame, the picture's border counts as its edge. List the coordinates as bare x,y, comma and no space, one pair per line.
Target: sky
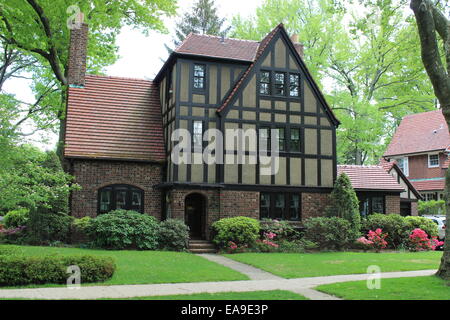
140,56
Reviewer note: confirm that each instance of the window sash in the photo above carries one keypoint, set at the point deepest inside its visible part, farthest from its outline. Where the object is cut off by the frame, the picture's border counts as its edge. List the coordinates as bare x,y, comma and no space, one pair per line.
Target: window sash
280,206
279,83
264,83
433,160
281,139
294,142
199,76
197,133
294,85
125,197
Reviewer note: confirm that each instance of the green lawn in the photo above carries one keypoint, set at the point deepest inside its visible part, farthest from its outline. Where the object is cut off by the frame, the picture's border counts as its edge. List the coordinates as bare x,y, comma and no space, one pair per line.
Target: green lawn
417,288
145,267
252,295
294,265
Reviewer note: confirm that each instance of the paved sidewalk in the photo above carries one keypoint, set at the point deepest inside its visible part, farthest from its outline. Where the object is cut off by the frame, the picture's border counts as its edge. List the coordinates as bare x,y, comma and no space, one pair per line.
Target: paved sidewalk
252,272
301,285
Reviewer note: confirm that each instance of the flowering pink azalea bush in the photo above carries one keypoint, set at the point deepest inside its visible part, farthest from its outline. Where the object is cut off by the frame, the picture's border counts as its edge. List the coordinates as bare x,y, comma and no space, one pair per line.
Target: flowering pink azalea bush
375,240
234,248
419,241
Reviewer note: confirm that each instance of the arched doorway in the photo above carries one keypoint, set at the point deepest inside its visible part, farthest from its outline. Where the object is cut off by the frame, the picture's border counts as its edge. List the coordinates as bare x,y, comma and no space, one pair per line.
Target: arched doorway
194,211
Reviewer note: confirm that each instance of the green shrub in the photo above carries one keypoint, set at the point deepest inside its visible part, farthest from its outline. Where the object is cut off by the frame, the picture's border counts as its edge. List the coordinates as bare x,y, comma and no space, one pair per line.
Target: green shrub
283,229
16,218
122,229
45,226
9,250
393,224
25,270
330,233
296,246
425,224
433,207
243,231
173,235
79,229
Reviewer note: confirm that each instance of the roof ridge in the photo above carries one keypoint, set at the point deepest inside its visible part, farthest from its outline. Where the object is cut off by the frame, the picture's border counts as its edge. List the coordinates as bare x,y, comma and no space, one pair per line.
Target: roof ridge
117,77
226,38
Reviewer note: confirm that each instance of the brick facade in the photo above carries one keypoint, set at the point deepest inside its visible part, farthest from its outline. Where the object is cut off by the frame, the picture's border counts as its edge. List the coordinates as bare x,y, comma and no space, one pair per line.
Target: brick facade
392,204
92,175
314,204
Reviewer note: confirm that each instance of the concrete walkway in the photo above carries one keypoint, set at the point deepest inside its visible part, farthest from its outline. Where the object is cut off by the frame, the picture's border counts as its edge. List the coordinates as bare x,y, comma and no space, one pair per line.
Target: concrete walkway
252,272
301,285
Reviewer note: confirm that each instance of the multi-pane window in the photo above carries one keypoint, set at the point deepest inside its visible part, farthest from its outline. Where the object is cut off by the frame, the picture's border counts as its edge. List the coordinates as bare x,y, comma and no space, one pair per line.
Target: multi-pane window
120,197
295,140
265,205
377,205
197,134
264,138
281,139
433,160
264,83
280,206
279,83
369,204
294,85
199,76
403,165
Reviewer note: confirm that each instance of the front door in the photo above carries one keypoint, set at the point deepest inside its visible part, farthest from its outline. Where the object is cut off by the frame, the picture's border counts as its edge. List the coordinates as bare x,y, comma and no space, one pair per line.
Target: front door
194,214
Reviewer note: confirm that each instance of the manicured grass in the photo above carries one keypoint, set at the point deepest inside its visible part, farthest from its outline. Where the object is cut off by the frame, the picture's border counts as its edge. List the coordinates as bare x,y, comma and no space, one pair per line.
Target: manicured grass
417,288
252,295
145,267
293,265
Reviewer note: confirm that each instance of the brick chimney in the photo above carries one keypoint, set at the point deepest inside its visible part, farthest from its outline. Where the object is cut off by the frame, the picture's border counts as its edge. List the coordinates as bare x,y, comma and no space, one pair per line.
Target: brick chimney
298,46
77,53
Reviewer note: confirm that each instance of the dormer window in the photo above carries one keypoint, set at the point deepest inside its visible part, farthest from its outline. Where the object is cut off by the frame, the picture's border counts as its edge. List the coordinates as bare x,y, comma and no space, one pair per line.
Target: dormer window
433,161
199,76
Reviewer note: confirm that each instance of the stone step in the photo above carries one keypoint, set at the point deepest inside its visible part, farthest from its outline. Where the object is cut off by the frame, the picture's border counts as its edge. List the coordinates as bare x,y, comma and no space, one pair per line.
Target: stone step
206,245
202,250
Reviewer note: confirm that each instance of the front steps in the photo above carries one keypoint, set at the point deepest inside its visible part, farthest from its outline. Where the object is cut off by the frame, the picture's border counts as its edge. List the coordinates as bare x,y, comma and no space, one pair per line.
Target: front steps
201,246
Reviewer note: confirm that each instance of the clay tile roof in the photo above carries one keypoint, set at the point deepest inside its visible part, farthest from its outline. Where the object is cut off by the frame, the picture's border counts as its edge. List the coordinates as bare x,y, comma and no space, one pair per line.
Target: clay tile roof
212,46
370,178
420,132
114,118
429,185
387,165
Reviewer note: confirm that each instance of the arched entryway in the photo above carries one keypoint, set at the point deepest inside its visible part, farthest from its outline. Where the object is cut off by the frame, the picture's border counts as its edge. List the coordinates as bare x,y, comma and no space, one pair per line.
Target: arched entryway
194,214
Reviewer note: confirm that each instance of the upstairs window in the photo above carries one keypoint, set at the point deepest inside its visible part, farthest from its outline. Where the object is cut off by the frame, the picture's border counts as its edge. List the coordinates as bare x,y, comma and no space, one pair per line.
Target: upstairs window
403,165
279,84
197,134
295,140
120,197
294,85
264,138
433,160
281,139
199,76
264,83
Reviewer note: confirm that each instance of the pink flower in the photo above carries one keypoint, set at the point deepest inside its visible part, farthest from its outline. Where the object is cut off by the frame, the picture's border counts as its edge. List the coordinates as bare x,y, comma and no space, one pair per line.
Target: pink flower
419,241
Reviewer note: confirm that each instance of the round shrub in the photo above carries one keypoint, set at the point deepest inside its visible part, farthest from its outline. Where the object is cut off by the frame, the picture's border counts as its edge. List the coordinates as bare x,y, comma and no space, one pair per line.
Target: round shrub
16,218
79,229
331,233
283,229
122,229
425,224
243,231
45,226
24,270
173,235
393,224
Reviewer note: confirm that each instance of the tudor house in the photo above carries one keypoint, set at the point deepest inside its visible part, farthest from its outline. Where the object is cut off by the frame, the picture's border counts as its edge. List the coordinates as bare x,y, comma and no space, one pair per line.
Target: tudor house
118,137
420,147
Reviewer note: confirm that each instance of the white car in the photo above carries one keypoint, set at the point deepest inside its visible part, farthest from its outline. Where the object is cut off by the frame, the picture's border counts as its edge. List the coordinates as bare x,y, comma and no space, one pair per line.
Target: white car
440,221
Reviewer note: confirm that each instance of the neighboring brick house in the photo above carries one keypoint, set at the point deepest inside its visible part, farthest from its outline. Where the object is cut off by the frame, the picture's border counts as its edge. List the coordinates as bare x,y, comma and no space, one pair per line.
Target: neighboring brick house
380,189
118,133
420,147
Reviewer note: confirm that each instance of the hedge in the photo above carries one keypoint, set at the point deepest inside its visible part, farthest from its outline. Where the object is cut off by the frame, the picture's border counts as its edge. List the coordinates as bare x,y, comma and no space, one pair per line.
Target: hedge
25,270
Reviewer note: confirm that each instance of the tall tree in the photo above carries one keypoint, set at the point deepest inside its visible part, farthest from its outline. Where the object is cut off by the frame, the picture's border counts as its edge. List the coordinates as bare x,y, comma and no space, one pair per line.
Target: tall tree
38,30
434,33
201,19
362,59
